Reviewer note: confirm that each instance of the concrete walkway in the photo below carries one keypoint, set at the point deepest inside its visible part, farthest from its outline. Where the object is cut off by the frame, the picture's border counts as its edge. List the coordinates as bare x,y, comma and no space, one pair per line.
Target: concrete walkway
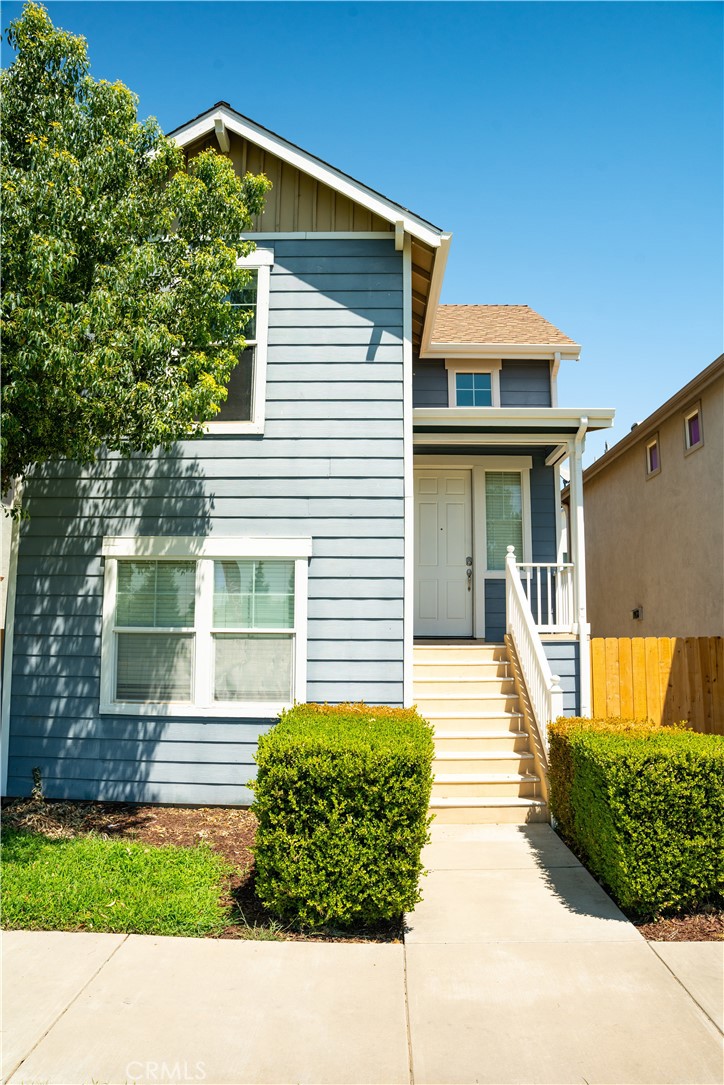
516,968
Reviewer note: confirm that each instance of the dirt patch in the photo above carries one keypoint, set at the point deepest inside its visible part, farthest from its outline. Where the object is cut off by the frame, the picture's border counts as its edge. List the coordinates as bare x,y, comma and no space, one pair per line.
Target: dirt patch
230,831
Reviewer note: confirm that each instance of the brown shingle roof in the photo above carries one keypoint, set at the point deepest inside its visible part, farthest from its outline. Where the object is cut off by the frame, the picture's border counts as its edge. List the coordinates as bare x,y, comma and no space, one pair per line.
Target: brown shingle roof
510,324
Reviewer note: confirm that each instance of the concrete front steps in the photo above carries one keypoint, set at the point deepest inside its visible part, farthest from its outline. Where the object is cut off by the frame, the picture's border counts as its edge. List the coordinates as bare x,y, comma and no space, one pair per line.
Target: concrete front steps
484,769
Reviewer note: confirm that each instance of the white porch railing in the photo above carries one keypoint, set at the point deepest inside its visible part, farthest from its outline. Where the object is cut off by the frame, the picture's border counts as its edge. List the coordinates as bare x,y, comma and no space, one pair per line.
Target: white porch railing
549,590
544,687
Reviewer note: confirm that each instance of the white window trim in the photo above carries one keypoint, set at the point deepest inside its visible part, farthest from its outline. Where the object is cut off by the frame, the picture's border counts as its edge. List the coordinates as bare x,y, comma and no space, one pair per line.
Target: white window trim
473,365
203,550
653,441
261,261
696,409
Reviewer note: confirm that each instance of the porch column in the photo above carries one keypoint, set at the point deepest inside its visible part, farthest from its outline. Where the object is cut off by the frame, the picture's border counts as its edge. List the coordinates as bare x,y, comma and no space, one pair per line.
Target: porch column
578,557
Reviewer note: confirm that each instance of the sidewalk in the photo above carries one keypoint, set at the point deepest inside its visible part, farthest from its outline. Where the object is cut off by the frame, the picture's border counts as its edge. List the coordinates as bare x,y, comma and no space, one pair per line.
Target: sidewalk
516,968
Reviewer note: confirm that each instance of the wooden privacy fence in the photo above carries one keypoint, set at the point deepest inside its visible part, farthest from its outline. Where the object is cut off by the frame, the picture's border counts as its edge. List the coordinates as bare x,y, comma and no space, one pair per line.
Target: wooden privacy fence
665,679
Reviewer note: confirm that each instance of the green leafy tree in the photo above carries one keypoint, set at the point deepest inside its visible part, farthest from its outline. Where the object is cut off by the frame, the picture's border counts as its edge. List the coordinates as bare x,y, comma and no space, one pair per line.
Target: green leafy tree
118,261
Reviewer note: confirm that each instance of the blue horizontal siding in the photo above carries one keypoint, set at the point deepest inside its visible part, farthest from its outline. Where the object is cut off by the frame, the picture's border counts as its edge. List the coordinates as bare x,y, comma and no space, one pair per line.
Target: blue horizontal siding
564,659
329,465
525,384
430,384
522,383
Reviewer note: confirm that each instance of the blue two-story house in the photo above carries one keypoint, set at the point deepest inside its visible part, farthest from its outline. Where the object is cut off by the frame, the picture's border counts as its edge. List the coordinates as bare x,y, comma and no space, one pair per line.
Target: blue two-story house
342,531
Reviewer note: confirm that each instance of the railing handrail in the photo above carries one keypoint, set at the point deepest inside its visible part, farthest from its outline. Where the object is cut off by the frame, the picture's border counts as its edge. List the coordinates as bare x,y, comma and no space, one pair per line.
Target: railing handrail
548,586
544,564
544,687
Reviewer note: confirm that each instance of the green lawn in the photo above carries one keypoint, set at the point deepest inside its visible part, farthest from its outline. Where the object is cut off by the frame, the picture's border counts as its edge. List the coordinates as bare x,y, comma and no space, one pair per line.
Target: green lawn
90,883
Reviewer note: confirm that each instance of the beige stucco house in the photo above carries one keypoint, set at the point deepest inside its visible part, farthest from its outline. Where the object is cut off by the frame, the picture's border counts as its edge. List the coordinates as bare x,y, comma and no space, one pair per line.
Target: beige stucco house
655,521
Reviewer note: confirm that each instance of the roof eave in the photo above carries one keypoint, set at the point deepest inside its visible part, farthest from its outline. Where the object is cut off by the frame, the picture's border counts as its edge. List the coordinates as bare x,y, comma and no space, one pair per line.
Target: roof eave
551,351
308,163
649,425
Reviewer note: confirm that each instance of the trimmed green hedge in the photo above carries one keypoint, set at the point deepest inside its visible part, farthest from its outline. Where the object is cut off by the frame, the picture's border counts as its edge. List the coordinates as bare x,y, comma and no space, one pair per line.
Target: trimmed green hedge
644,806
342,797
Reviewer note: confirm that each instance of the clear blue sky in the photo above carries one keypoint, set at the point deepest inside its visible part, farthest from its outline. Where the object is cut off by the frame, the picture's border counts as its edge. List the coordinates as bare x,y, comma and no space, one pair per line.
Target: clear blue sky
574,149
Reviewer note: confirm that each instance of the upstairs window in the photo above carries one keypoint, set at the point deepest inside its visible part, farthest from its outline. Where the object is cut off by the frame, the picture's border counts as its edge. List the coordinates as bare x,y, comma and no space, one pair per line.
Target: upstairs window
473,383
202,627
693,431
653,457
244,408
473,390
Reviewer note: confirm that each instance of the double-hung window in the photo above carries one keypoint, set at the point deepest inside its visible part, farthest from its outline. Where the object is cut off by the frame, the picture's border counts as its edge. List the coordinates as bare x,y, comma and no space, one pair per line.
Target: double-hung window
243,411
204,627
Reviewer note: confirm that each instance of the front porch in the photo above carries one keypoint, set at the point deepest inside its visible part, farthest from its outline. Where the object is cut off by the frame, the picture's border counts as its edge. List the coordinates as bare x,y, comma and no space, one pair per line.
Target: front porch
487,490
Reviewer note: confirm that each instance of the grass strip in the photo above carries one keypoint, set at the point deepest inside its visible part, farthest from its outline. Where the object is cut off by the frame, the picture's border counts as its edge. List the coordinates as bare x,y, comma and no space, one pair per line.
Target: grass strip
92,884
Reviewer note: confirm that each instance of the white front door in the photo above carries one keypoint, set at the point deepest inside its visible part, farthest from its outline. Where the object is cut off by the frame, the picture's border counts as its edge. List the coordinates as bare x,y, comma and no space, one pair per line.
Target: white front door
443,545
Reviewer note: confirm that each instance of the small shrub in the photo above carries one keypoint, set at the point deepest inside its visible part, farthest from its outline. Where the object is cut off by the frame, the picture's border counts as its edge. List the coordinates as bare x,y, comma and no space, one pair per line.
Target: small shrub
341,797
644,806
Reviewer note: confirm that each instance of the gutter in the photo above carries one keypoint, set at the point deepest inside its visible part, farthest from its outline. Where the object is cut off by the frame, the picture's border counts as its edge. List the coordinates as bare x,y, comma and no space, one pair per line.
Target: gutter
550,351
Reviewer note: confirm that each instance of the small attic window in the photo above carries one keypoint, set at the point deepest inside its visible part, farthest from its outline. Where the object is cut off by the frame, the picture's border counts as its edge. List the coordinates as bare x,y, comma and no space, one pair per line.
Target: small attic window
473,382
473,390
653,457
693,431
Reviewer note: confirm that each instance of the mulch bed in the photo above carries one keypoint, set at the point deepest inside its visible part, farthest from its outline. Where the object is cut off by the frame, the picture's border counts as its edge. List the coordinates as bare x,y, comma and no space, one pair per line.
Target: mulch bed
230,831
699,927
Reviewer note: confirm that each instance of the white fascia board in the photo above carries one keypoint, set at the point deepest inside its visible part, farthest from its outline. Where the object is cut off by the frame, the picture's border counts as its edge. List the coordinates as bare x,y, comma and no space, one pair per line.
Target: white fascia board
298,158
192,546
433,298
501,350
514,417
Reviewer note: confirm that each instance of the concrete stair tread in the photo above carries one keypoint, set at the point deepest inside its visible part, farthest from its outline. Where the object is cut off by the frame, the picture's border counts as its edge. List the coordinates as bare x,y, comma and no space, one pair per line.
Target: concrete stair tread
482,755
476,735
485,778
486,802
503,715
460,663
469,679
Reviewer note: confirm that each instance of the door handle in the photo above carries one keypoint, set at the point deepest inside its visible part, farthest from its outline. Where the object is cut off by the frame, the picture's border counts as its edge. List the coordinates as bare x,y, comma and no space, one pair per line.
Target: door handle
469,574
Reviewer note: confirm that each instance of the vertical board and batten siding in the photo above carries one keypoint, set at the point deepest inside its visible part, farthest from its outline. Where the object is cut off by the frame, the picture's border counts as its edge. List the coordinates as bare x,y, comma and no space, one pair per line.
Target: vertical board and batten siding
522,383
329,465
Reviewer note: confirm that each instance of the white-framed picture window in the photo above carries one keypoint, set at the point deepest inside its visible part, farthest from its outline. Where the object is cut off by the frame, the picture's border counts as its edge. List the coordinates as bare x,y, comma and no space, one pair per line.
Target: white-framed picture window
204,627
693,429
244,409
653,456
473,383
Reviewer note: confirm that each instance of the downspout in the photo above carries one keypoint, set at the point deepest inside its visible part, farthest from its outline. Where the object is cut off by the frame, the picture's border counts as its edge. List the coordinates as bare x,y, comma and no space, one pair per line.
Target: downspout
579,566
